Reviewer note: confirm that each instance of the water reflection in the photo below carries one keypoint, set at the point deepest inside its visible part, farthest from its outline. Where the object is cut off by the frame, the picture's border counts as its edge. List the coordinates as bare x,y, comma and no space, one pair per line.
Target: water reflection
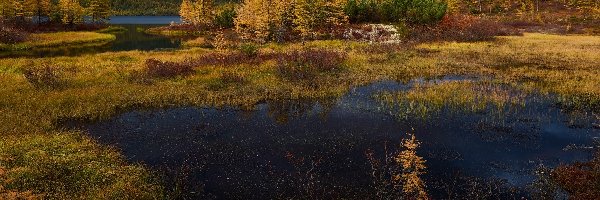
318,148
134,38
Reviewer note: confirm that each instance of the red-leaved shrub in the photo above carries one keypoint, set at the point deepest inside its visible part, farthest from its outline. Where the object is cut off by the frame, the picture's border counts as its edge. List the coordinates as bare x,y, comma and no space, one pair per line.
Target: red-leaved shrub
159,69
462,28
11,35
305,65
580,180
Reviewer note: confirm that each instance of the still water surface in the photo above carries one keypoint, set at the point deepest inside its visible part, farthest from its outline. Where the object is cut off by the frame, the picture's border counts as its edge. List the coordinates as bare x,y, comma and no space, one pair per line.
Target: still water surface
133,38
317,148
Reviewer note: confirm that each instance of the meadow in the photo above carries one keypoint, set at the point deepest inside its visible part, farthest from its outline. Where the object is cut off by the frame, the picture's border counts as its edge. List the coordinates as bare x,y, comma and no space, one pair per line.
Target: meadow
39,158
307,87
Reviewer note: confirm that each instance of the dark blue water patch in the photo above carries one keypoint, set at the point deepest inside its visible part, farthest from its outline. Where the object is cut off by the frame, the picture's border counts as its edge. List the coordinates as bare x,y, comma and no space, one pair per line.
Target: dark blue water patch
158,20
316,148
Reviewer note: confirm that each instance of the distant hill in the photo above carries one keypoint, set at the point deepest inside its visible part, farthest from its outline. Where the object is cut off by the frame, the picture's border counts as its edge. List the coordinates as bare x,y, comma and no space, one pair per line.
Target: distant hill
150,7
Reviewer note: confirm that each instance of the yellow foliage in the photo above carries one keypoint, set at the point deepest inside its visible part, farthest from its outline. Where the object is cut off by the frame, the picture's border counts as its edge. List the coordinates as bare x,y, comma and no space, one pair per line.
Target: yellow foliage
413,167
198,12
71,11
264,20
261,20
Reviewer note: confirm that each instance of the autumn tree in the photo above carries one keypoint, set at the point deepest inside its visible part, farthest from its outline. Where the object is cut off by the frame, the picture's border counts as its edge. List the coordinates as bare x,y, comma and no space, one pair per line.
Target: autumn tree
263,20
71,12
7,9
199,12
185,11
311,16
99,10
413,167
38,8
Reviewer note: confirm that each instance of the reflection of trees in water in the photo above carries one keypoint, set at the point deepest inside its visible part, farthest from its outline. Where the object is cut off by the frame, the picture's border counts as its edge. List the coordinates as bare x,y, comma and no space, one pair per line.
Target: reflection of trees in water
284,110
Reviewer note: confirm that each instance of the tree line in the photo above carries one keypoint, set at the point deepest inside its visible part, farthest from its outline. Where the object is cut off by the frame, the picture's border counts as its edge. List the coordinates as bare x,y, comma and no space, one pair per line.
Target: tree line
68,12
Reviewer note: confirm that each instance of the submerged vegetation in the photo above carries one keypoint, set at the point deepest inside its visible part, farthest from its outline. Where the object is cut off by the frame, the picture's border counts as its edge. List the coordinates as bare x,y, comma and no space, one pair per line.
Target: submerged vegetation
424,99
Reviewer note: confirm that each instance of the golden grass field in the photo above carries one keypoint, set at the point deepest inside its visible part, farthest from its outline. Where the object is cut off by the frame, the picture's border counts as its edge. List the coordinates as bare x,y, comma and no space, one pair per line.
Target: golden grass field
38,158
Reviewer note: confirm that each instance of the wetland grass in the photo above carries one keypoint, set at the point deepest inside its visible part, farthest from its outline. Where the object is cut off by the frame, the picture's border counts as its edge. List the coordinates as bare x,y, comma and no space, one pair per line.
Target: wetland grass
37,157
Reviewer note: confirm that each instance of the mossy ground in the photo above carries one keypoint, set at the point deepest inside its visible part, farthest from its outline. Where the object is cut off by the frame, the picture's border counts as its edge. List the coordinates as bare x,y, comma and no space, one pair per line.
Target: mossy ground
36,155
59,39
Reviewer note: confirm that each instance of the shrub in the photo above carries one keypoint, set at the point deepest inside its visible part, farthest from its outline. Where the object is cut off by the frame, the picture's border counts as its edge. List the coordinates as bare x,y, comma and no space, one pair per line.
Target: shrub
462,28
410,11
306,65
10,35
232,77
580,180
158,69
249,49
44,76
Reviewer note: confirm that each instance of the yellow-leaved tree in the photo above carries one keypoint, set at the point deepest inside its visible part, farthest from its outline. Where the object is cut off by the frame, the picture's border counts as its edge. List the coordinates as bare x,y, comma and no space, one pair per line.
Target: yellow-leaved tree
99,10
413,167
315,16
71,12
263,20
199,12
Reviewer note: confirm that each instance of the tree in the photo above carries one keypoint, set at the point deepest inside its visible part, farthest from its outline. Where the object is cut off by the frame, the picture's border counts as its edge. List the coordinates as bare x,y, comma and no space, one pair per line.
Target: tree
19,9
413,167
99,10
263,20
7,9
71,12
38,8
199,12
185,11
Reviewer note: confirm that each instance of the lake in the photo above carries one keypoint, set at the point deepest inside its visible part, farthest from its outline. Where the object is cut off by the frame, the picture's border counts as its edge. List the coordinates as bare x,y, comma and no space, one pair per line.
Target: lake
133,38
327,148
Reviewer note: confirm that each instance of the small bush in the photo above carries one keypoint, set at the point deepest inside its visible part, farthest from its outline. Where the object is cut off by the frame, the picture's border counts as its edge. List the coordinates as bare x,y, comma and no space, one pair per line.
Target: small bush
249,49
580,180
158,69
306,65
44,76
232,77
10,35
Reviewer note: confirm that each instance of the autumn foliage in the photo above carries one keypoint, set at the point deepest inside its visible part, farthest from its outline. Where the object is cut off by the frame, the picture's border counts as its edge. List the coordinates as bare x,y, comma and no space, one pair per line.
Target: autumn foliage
580,180
275,20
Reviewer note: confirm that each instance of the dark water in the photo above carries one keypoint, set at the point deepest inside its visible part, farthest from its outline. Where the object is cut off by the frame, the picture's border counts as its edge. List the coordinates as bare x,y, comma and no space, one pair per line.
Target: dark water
315,149
157,20
133,38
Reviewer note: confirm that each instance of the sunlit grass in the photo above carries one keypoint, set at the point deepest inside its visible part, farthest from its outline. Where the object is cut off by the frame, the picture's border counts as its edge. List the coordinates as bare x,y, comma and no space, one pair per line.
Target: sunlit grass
100,86
470,96
60,39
